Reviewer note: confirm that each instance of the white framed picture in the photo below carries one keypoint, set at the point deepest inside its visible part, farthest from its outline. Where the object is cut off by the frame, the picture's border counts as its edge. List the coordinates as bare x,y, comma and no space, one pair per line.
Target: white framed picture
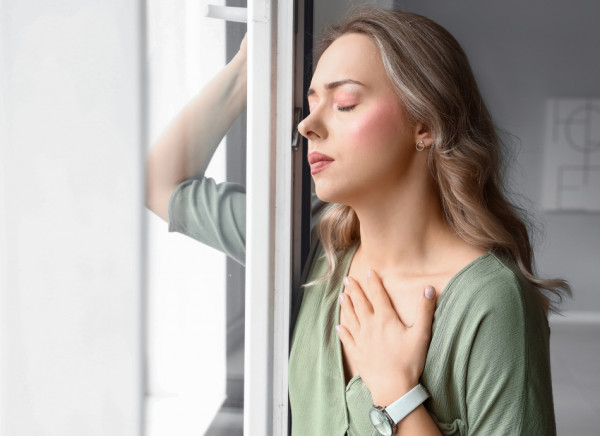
572,155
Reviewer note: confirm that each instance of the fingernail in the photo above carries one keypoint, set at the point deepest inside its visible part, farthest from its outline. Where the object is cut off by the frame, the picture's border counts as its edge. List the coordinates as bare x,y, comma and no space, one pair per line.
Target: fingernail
369,273
338,328
342,297
429,292
346,281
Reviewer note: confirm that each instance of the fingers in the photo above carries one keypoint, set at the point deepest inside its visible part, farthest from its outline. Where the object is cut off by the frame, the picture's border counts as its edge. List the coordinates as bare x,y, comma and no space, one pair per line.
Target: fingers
382,305
362,305
349,316
424,318
346,338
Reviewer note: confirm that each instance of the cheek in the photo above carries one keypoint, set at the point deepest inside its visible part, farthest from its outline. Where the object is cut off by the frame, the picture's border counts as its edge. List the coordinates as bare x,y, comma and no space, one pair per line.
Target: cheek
379,125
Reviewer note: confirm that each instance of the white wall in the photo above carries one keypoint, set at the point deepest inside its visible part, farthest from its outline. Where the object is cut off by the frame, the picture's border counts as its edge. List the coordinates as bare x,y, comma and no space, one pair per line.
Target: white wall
70,217
523,53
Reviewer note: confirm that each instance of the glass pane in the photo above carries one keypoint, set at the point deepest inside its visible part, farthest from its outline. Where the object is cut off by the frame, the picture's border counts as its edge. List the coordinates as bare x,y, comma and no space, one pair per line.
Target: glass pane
187,280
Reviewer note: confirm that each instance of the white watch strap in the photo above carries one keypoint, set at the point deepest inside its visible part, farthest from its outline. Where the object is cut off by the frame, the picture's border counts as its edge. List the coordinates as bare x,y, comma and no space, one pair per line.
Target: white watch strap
407,403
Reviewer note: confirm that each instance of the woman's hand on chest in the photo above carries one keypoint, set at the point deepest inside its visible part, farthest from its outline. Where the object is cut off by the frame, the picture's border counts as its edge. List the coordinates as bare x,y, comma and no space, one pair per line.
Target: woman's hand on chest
388,355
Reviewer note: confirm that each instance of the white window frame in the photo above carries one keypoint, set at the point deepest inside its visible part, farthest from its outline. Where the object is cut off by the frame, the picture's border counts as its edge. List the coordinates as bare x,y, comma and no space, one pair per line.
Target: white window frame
269,205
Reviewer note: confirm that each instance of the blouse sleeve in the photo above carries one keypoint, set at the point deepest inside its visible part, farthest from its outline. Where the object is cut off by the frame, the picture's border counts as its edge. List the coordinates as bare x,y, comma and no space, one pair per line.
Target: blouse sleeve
509,388
214,214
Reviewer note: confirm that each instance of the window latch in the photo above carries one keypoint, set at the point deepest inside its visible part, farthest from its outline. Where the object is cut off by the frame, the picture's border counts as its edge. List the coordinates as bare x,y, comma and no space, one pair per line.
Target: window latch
295,133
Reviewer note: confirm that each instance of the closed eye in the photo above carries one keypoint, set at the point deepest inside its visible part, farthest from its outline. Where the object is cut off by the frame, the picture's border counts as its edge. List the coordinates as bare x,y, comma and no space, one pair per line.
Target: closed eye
346,108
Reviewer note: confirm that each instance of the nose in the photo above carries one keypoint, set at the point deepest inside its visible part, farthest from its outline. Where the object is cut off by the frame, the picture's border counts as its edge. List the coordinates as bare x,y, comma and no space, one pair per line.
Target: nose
312,127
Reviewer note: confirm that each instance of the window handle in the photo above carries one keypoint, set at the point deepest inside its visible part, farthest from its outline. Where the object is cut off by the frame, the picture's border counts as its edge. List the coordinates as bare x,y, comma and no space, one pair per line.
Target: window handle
295,133
227,13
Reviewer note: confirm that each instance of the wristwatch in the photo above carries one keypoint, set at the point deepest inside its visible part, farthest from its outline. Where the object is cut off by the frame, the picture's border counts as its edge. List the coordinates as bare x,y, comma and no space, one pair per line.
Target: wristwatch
385,419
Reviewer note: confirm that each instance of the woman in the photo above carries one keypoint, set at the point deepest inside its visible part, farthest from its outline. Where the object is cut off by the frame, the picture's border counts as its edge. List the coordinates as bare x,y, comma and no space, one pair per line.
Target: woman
403,149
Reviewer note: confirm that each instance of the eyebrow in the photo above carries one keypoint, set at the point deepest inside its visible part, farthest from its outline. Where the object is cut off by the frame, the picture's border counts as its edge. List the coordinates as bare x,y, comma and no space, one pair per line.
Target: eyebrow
336,84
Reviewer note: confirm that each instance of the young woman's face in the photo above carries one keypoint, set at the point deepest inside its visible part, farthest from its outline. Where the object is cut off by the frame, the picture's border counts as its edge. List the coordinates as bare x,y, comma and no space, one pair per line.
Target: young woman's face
361,138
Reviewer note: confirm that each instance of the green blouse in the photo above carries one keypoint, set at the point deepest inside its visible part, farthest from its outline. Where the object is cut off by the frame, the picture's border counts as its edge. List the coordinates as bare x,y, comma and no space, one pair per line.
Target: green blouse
487,368
488,364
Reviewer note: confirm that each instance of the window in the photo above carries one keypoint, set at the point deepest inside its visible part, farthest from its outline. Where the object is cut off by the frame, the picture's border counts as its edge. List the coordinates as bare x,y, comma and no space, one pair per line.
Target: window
186,280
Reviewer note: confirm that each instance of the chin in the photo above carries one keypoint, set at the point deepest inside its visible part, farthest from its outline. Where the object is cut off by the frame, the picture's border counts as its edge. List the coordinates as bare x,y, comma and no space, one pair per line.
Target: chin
324,195
330,195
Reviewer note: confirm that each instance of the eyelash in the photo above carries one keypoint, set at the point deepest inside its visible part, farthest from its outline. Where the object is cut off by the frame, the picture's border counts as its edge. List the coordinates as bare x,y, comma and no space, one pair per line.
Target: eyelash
346,108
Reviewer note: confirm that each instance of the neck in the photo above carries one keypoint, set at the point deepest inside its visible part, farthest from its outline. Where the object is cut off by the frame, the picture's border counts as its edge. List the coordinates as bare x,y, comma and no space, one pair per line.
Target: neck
405,235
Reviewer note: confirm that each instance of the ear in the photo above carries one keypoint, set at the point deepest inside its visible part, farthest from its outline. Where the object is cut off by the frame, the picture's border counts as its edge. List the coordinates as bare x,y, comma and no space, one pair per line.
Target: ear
423,133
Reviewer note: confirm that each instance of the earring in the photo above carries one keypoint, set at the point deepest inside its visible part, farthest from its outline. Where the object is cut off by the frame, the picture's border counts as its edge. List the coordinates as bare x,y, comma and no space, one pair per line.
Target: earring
420,146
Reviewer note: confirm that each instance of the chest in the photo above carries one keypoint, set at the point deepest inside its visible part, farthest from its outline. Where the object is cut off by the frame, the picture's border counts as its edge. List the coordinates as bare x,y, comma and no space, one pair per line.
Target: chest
405,304
404,294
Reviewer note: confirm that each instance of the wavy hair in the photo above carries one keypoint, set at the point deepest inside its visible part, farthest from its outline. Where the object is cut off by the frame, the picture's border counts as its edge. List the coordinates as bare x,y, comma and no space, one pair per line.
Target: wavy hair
432,75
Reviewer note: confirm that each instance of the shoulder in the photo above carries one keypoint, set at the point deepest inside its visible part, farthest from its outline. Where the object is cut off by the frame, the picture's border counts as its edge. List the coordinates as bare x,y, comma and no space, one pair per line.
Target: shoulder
491,284
496,336
490,303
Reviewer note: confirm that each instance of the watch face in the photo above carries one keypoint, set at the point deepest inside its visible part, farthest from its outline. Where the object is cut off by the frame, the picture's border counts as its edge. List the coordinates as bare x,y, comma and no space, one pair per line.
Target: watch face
380,421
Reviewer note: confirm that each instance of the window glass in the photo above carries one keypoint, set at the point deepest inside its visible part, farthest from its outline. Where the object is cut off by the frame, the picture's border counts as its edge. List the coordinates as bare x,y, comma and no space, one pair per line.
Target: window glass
186,280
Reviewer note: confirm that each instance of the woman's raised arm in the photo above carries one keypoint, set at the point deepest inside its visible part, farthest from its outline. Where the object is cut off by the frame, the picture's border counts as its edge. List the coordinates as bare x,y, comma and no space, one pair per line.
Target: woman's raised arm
189,142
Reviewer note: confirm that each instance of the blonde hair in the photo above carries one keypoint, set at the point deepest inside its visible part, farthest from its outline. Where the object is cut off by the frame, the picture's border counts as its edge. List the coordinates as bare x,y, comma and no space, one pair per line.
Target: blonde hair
432,75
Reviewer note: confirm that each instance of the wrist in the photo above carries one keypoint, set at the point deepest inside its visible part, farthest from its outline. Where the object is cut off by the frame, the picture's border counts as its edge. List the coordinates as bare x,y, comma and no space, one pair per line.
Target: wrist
392,393
238,66
240,60
385,419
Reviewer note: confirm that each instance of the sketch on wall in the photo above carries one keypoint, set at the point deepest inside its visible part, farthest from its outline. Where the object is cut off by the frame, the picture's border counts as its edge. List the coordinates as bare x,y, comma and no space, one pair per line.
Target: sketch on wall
572,155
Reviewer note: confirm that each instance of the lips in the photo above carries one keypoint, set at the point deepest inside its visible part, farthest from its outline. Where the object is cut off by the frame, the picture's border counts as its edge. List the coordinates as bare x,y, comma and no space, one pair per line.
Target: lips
318,162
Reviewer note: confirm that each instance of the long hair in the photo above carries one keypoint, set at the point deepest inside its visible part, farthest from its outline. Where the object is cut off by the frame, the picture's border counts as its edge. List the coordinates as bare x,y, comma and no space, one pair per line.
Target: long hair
432,75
